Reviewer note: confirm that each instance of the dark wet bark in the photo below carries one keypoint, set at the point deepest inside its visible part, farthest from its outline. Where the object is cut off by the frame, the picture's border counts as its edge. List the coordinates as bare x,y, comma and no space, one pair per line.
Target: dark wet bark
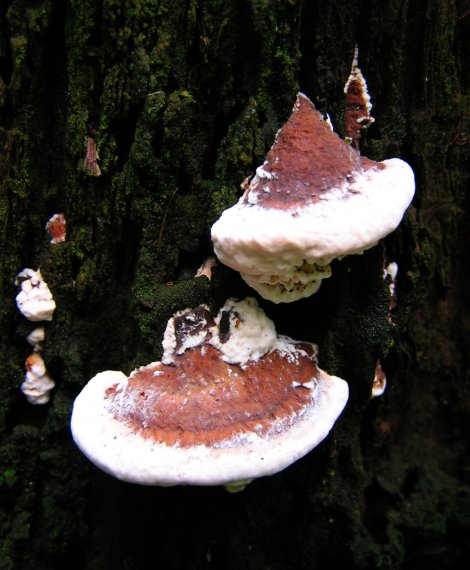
182,99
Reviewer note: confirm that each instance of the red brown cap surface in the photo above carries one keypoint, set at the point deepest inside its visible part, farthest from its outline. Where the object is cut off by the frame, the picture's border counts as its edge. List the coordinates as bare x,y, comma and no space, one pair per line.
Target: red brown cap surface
306,160
313,200
205,421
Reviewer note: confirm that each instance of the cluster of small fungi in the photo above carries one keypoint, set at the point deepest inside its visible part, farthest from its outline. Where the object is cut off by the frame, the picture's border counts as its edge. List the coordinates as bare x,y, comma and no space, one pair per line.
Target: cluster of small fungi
231,400
35,302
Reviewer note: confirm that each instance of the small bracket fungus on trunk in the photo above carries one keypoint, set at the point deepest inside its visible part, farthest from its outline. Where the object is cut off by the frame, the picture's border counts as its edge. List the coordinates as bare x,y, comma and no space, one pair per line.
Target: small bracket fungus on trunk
90,164
380,381
231,401
358,106
392,271
37,383
36,338
205,270
35,299
57,228
36,303
313,200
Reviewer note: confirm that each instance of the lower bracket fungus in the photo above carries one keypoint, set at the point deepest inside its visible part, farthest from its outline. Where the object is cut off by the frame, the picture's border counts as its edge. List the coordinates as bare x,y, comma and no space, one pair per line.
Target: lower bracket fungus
314,199
231,401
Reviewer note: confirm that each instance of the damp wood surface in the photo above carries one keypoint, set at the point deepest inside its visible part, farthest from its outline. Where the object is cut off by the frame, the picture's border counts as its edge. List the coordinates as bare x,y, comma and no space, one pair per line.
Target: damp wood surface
182,100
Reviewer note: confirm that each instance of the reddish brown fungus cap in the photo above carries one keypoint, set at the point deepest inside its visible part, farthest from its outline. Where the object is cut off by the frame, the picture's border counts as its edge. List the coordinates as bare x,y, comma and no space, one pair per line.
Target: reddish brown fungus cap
306,161
204,420
314,199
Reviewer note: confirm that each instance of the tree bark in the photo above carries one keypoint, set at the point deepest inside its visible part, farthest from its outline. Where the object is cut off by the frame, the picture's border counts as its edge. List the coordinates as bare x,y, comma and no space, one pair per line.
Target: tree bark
183,99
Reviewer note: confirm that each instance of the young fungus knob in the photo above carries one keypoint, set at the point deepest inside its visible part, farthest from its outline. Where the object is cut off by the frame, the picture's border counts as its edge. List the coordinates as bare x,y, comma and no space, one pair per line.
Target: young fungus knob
314,199
231,401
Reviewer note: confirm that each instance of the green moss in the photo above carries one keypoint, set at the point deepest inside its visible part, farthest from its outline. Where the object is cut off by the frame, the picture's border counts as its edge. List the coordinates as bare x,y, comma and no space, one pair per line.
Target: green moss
221,199
82,75
19,46
8,477
6,554
360,332
156,303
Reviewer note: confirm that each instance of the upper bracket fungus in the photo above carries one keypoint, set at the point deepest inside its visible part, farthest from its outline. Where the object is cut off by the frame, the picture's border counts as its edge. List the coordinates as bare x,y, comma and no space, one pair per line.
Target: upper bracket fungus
314,199
230,401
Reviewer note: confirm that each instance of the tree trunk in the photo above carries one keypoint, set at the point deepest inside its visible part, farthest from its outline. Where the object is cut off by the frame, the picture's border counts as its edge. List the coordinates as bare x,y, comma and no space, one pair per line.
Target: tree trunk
182,100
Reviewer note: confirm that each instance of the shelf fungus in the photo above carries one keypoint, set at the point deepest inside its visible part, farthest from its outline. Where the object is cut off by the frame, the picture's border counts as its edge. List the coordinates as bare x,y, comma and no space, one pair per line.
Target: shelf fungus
231,401
380,381
57,228
35,299
36,338
37,383
90,164
358,106
391,271
314,199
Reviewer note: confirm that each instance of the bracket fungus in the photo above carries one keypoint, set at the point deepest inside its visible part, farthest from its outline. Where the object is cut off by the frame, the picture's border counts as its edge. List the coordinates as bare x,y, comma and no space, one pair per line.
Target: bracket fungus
36,338
34,300
90,164
57,228
314,199
37,383
358,106
230,401
380,381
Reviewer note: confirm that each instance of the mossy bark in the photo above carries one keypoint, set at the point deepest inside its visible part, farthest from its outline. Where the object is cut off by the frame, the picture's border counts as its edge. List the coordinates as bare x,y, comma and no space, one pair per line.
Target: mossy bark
183,99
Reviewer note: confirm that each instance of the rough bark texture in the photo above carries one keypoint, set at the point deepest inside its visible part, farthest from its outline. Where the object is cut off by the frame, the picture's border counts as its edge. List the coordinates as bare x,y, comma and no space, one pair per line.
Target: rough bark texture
183,98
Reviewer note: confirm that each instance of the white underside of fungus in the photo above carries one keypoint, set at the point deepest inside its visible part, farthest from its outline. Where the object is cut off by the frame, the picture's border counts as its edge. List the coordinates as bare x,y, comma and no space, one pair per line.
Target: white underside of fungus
119,451
285,253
